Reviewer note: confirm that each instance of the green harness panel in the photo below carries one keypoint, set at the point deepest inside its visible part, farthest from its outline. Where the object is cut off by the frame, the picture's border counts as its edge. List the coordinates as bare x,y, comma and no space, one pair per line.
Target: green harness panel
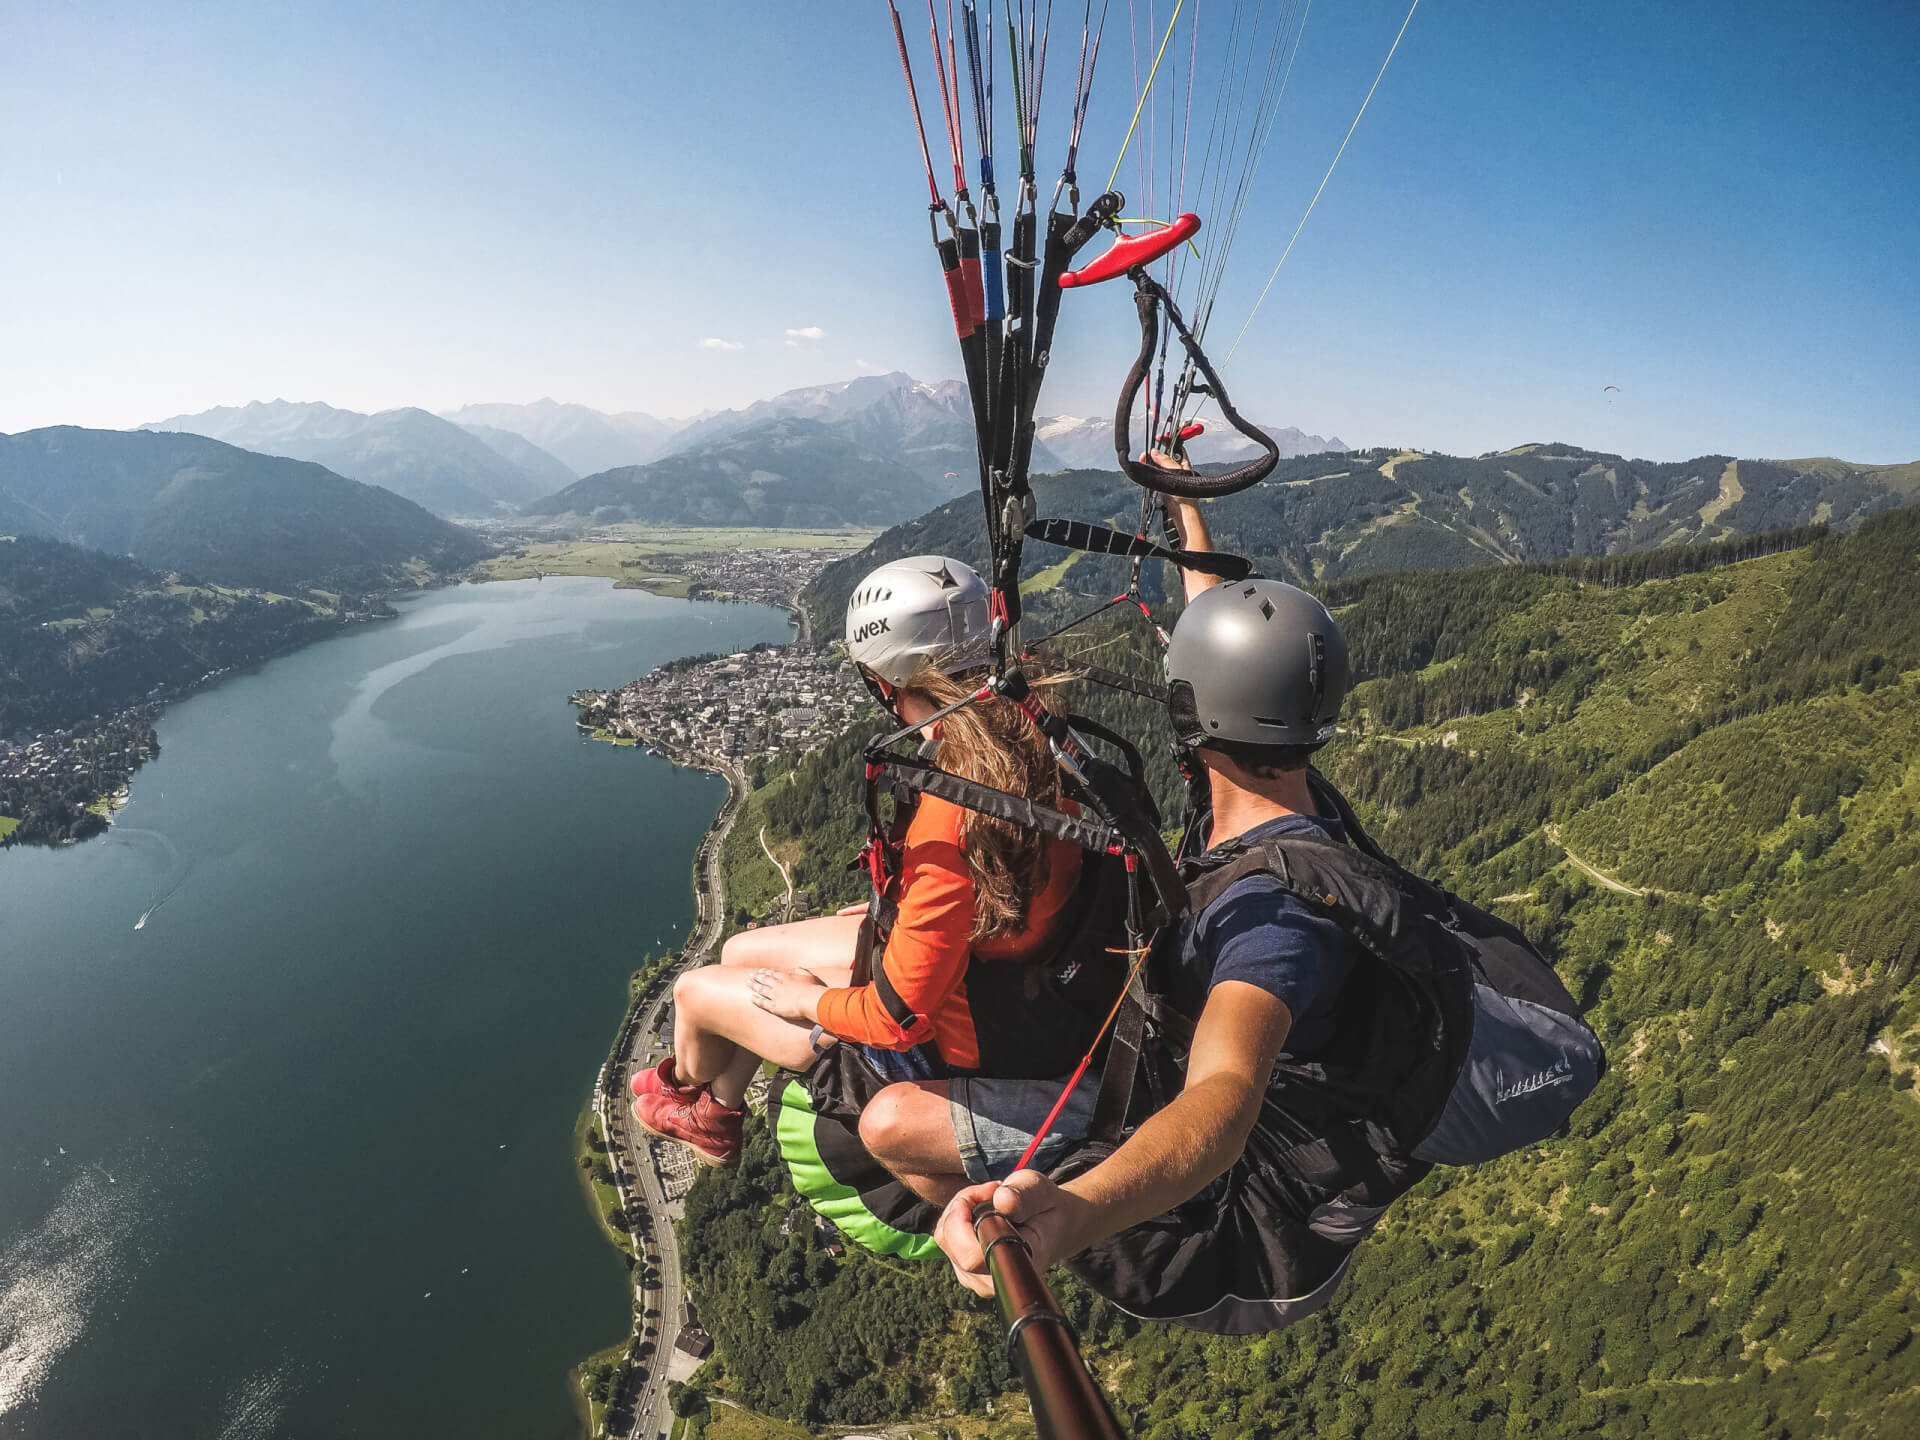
796,1129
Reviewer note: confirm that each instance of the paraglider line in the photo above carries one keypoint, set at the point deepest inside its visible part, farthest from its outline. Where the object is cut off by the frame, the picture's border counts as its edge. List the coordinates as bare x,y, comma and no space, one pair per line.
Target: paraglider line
1323,179
1145,90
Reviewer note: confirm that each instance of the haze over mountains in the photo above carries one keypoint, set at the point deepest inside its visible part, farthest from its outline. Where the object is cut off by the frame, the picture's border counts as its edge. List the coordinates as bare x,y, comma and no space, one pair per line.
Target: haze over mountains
411,452
928,428
1087,444
585,441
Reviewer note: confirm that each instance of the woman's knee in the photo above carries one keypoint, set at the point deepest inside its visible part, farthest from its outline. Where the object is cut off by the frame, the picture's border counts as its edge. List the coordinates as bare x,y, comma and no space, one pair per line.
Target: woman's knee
691,988
748,947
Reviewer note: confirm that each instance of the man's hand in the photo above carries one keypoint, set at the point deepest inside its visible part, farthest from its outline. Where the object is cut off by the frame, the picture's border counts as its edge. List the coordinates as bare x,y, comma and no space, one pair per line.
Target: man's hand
1161,460
1046,1216
790,994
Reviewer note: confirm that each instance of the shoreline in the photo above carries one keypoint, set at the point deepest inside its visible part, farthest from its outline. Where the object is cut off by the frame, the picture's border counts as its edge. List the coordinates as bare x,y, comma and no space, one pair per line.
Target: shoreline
628,1152
153,708
655,1249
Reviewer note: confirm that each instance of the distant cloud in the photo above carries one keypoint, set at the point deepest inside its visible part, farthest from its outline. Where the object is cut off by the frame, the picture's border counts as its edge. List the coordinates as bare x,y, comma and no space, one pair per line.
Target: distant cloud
805,332
713,342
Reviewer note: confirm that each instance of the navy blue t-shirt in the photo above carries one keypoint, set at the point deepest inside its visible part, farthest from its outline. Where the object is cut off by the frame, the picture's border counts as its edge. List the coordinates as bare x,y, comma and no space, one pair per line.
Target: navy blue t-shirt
1259,934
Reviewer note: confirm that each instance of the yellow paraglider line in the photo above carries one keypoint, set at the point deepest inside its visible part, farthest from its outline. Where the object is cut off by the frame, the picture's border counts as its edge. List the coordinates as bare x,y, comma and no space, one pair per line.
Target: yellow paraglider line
1145,90
1323,179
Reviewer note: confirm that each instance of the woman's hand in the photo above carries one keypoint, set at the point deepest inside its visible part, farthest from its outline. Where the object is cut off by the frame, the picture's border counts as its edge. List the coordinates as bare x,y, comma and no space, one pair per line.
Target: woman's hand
791,994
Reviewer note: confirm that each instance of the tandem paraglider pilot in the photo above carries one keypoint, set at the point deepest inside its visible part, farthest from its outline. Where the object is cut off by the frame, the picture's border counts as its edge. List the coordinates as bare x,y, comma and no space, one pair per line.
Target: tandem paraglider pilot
1326,1026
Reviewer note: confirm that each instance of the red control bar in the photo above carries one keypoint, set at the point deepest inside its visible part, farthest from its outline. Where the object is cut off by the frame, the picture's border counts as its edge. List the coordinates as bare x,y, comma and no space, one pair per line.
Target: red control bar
1132,250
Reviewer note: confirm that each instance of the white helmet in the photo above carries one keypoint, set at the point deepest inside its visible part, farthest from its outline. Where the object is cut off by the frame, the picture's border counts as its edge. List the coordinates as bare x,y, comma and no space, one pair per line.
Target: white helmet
923,610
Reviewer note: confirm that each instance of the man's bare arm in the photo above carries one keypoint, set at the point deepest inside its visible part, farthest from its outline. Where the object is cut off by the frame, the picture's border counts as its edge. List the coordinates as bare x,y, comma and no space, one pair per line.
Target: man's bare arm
1204,1129
1188,521
1192,527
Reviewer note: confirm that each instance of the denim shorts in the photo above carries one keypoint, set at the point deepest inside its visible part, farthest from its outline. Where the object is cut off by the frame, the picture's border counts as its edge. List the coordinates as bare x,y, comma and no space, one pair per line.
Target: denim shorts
995,1120
894,1066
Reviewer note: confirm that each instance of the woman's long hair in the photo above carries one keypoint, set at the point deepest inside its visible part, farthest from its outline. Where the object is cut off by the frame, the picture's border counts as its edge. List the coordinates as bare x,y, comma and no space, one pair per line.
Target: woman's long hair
992,743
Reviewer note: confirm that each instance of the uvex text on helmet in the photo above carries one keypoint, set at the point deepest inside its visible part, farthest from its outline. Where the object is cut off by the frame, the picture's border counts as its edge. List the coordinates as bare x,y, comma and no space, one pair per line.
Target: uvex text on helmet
924,610
1260,662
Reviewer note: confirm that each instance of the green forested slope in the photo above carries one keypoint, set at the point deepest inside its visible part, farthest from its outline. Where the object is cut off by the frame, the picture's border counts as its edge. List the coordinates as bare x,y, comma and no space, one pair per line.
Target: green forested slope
785,472
221,514
83,634
89,644
1325,516
1701,792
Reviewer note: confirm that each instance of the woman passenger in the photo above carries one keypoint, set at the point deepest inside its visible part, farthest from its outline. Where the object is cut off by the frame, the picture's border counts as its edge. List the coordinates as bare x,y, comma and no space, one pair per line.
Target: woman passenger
970,889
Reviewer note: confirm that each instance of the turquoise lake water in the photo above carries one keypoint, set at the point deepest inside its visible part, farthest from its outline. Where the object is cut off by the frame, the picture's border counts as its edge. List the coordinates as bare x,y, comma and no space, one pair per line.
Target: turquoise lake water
294,1157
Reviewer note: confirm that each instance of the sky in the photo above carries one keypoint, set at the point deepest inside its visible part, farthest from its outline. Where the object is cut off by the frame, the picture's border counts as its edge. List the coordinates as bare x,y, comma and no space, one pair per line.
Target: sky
1714,206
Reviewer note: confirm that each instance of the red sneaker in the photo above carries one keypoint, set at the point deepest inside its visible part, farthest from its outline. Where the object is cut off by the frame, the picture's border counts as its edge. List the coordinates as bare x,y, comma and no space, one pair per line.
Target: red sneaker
662,1079
701,1124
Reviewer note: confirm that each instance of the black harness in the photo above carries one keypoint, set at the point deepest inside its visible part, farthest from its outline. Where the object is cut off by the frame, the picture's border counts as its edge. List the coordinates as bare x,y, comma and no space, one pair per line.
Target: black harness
1334,1142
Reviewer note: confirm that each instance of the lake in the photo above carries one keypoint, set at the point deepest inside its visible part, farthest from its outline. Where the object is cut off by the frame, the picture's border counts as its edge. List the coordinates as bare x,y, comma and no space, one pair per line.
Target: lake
295,1156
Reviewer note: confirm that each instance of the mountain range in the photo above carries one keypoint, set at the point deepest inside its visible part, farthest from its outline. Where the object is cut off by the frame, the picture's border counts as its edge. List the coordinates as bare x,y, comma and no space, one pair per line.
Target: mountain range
928,428
585,441
491,460
1325,516
417,455
186,503
1087,444
783,471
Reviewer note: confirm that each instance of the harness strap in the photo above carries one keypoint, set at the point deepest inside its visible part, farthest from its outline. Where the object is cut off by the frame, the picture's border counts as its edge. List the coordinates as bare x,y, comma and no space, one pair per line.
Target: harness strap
1123,1063
927,778
902,1013
1112,679
1100,540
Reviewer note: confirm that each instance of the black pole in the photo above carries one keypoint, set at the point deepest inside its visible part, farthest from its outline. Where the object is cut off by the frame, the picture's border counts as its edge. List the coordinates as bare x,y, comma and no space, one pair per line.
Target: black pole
1066,1399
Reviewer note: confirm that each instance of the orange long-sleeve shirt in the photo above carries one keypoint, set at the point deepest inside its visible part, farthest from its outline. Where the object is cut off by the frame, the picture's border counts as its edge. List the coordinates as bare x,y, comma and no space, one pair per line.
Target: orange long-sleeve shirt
927,953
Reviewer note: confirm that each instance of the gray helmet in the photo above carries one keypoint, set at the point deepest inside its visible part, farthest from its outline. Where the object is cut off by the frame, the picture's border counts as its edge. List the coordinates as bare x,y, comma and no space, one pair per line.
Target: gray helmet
1259,662
924,610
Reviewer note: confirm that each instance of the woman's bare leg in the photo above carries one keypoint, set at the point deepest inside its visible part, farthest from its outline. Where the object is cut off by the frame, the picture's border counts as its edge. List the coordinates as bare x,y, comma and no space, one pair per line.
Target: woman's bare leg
719,1032
709,1026
823,945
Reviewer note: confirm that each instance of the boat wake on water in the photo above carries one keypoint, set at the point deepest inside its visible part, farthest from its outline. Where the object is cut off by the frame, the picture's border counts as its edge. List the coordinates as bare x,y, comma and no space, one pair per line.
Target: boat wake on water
179,867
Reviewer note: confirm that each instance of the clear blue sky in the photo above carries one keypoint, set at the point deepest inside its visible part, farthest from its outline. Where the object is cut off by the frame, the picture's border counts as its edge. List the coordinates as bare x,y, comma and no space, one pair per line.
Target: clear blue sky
1713,205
